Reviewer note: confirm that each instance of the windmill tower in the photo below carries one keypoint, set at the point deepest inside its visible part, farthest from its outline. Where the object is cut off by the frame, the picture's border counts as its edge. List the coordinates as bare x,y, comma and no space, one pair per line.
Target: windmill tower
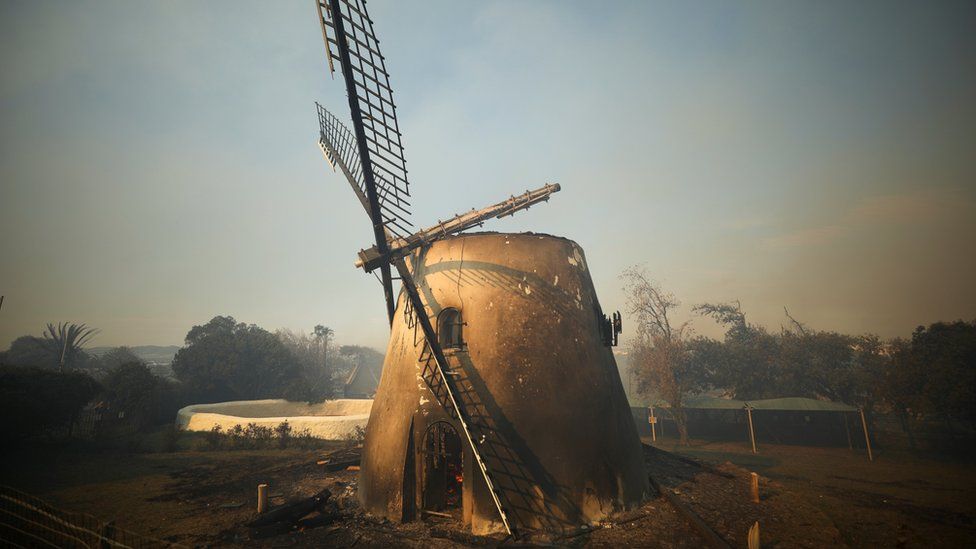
500,400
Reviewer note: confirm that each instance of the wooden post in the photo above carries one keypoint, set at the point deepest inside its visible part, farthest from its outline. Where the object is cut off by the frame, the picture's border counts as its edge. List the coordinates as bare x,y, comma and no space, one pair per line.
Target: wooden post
867,439
752,541
262,498
752,434
754,487
653,426
107,535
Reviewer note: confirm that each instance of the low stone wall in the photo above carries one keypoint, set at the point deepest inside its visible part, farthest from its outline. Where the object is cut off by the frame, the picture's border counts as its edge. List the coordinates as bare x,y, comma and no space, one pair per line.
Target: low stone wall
329,420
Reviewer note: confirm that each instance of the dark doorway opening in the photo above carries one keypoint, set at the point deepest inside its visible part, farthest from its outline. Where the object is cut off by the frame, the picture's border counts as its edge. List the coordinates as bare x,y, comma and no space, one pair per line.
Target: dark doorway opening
443,476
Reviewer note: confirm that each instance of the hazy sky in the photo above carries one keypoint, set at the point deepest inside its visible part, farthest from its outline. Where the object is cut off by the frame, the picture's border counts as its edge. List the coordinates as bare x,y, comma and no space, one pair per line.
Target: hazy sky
158,160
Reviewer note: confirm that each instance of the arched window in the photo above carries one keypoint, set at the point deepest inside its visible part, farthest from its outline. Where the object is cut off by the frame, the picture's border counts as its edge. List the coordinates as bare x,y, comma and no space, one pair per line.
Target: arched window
449,329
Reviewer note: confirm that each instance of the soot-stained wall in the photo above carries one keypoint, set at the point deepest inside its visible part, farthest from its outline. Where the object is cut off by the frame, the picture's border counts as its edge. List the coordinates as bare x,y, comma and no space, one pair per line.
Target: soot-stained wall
534,355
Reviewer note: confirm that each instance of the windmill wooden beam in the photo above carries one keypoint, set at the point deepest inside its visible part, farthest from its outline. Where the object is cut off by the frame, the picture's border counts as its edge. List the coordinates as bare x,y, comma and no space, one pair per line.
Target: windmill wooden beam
373,257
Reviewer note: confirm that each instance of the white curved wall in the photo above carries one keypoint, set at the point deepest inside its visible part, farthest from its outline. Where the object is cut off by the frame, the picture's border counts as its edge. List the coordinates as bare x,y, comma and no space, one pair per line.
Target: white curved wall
329,420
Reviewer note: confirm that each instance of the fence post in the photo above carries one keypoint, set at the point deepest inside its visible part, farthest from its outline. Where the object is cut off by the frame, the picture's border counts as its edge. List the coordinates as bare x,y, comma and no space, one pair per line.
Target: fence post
867,439
107,534
262,498
653,422
752,434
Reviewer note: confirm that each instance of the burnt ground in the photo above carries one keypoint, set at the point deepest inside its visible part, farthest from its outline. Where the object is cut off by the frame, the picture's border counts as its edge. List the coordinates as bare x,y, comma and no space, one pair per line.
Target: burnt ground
902,499
200,498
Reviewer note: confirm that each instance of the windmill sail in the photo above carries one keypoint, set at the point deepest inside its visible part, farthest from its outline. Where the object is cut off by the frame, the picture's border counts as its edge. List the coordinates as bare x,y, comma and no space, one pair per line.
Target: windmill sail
350,40
338,144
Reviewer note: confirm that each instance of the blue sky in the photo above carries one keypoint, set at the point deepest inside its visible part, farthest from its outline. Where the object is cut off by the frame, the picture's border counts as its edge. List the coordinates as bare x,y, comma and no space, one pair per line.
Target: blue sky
158,161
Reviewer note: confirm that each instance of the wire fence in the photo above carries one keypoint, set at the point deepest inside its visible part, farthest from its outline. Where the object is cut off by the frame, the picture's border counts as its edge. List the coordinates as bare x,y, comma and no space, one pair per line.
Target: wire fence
26,521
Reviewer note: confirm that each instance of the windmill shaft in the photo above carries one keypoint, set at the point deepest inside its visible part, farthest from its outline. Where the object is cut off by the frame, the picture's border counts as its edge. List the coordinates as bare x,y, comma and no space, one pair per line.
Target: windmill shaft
368,181
375,257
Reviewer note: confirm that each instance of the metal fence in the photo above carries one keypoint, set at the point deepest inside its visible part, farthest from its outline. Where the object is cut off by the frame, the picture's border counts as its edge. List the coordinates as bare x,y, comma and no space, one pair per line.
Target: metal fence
100,420
26,521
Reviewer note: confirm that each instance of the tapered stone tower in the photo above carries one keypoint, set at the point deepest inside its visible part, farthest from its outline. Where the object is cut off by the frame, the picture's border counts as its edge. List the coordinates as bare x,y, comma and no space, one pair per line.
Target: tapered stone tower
520,325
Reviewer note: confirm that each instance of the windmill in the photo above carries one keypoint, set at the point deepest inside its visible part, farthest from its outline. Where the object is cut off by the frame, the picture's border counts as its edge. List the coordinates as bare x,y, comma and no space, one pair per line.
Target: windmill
372,160
526,484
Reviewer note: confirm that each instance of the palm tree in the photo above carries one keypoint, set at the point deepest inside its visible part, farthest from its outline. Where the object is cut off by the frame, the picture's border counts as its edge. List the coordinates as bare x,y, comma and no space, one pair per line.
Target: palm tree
323,332
66,341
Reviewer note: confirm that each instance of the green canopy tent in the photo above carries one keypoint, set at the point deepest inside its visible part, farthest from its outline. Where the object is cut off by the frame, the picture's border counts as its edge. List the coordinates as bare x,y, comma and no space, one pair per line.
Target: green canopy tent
789,404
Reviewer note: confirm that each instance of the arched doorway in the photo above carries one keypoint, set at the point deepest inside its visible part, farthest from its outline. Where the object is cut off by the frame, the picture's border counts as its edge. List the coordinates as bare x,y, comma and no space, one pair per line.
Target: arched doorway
442,474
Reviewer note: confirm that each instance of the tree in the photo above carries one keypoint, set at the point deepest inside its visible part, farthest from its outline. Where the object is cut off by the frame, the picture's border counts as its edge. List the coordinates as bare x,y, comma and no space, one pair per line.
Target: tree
30,351
66,341
947,353
352,355
318,362
366,354
227,360
899,385
820,365
59,347
146,399
118,356
747,363
660,354
872,359
753,363
35,401
323,332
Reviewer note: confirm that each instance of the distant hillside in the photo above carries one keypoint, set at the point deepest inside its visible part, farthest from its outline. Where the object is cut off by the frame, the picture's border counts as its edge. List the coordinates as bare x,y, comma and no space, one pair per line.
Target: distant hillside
160,354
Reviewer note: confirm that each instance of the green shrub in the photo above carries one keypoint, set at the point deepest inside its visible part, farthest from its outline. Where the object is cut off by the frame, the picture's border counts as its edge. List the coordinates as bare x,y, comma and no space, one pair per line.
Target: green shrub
258,437
283,432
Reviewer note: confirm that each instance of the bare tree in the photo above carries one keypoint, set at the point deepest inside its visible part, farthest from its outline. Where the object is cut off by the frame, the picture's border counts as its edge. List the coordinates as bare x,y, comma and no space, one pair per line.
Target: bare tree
797,326
659,352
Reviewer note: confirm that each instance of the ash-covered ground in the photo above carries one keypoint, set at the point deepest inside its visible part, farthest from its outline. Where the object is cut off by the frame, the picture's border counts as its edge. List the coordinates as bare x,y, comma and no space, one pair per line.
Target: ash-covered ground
811,497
